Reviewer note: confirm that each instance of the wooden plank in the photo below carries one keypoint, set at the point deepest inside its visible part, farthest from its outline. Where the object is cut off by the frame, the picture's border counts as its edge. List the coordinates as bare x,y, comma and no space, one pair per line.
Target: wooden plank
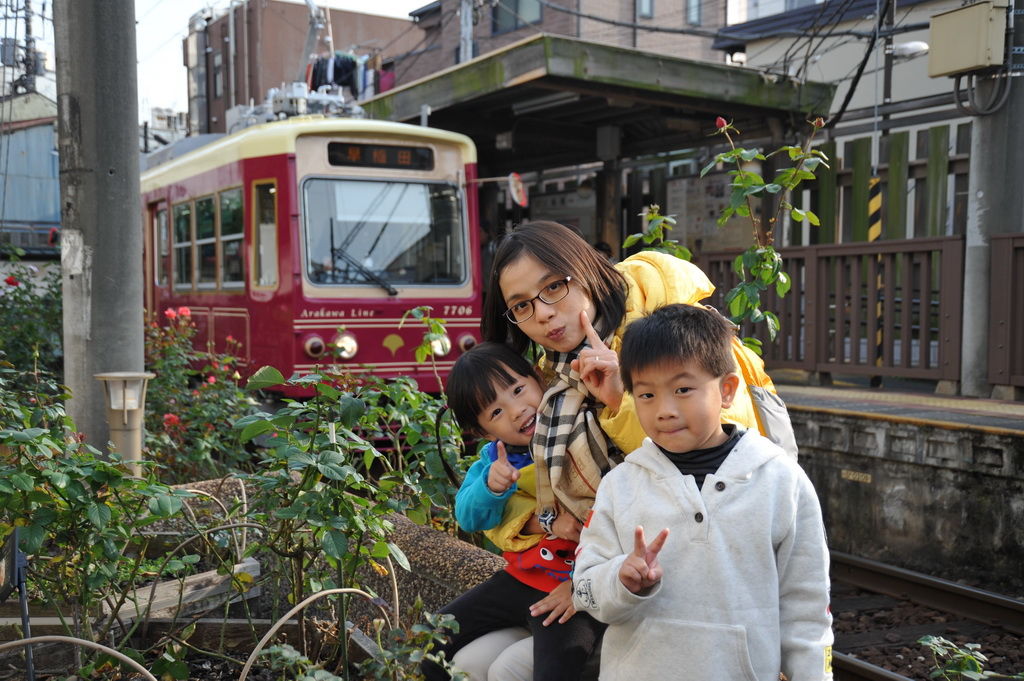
924,287
895,224
861,163
937,180
906,307
192,591
827,198
856,283
951,310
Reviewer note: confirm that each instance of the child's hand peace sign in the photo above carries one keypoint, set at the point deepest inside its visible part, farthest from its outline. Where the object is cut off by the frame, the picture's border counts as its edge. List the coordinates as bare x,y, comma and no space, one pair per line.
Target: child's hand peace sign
502,474
599,367
641,569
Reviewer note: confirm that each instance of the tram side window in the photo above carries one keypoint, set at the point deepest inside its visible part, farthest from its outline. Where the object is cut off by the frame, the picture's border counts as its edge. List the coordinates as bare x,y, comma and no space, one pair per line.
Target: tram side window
206,242
183,246
161,243
265,234
231,225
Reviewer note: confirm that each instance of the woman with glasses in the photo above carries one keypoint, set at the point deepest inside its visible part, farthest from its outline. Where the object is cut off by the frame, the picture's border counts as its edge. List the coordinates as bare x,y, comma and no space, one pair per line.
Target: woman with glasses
549,289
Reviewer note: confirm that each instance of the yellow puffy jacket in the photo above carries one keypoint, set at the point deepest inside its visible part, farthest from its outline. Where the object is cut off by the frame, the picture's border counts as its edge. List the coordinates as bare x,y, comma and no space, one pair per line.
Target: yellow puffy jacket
655,279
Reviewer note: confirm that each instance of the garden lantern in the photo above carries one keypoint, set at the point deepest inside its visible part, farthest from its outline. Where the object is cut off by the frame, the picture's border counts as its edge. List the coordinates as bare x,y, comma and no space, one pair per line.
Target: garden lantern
125,393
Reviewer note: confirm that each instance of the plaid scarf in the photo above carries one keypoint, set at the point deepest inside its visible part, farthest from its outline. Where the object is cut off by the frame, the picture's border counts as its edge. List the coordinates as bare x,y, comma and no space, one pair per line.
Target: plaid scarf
570,451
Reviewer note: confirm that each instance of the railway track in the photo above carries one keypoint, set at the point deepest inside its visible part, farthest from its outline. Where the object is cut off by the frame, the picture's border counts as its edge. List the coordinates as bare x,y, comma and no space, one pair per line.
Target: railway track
879,607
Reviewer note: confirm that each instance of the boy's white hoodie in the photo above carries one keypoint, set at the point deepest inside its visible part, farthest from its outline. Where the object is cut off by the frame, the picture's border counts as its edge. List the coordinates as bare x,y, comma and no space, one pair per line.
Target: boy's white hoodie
745,591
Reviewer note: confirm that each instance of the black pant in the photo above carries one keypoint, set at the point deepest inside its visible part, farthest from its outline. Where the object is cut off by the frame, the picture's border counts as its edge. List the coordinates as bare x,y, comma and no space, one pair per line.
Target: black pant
559,650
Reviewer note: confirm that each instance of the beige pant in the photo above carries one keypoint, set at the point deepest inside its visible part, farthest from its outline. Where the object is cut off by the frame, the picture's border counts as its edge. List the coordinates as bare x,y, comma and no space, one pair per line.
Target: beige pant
503,655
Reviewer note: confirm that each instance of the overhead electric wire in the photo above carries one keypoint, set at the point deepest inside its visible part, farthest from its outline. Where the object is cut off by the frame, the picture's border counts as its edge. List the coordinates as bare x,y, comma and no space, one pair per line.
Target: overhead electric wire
860,67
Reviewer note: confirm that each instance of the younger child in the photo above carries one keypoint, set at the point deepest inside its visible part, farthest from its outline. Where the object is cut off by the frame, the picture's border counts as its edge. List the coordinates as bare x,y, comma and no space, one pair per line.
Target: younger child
495,393
740,590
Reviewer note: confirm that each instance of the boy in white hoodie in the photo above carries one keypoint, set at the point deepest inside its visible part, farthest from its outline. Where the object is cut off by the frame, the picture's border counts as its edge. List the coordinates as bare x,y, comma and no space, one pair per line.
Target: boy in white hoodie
740,591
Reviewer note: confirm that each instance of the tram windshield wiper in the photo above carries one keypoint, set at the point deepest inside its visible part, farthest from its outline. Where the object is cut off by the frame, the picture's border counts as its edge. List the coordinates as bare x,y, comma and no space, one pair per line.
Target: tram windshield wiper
338,253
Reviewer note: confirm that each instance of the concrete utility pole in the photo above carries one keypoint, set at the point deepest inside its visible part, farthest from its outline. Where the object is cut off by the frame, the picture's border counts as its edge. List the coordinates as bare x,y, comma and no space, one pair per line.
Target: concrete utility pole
101,239
994,206
465,31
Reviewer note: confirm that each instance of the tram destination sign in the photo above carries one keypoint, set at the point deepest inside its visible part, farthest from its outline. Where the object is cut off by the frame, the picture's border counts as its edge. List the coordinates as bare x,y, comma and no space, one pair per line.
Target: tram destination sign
380,156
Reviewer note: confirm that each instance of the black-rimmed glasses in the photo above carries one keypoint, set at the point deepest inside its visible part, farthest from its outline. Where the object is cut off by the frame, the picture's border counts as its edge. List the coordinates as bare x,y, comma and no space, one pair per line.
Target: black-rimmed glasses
552,293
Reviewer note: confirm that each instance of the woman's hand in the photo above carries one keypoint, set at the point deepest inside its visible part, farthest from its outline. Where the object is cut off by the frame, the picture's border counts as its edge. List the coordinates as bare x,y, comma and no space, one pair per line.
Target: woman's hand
598,366
558,605
566,527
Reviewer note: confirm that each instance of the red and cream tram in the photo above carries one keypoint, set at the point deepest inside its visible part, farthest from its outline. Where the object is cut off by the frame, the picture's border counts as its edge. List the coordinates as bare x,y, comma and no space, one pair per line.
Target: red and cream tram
282,234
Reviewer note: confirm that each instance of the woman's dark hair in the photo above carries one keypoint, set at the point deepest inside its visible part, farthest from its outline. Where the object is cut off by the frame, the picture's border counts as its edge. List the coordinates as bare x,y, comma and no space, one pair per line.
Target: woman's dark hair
682,333
472,379
566,253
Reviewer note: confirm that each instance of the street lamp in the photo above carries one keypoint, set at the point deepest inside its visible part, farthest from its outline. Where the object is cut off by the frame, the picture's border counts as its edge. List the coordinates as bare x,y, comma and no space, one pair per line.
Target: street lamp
125,393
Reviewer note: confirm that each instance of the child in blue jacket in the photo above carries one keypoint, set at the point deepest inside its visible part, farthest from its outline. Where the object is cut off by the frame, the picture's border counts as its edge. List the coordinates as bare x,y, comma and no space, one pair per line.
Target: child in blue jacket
495,393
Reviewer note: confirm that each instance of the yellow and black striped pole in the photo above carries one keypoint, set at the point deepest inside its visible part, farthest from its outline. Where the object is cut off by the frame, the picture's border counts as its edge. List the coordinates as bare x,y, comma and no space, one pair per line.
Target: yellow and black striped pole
875,234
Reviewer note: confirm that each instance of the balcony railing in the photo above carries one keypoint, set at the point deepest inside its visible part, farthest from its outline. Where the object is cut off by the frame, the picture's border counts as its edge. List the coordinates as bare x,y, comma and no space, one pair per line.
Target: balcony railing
891,308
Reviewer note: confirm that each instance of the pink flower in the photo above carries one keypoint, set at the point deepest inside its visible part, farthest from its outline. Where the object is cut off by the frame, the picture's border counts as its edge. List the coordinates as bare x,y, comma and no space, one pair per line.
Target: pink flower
195,393
230,339
184,311
721,123
171,420
211,379
11,281
170,313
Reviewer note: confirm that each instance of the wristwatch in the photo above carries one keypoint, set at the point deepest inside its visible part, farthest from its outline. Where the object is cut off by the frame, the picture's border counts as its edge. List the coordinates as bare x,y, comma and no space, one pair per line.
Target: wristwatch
547,520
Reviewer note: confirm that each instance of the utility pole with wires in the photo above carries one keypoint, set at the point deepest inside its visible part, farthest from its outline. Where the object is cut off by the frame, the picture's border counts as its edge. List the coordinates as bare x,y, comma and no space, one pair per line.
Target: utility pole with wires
101,241
996,203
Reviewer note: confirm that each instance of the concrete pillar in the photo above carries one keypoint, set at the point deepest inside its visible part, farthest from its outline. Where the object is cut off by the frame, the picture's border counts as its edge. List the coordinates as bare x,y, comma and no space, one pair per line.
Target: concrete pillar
101,239
995,206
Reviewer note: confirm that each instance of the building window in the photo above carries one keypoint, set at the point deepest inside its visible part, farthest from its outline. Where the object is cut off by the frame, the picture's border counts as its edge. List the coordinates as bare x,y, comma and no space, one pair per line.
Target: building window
512,14
693,12
264,200
645,9
218,75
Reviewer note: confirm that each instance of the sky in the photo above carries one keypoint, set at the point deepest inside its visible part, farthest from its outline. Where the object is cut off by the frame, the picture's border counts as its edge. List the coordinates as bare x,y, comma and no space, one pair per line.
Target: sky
162,24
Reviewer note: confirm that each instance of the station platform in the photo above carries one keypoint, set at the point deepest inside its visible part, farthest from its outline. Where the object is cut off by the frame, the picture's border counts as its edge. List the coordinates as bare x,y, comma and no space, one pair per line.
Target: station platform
902,404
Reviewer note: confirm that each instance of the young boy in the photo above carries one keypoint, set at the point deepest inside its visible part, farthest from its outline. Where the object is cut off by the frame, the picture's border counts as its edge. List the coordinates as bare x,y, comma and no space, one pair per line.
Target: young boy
495,393
740,589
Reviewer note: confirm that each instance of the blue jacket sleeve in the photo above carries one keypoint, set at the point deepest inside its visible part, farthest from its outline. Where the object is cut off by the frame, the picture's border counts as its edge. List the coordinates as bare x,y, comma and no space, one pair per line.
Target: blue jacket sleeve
477,508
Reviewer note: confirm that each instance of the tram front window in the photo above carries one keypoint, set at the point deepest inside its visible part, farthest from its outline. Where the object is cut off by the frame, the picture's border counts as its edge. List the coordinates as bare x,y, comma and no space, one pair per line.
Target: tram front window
382,233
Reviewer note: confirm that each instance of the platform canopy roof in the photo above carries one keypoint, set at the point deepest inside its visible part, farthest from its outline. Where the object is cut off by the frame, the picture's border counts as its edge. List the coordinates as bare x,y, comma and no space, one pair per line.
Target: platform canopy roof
551,101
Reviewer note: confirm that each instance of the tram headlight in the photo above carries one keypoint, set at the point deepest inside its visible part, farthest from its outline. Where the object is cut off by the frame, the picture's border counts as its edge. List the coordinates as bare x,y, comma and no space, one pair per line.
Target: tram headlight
346,344
314,346
467,342
440,347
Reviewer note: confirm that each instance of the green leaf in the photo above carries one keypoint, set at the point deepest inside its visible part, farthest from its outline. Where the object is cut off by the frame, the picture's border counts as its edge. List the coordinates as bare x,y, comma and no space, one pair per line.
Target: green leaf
812,218
753,344
23,481
399,556
265,377
737,266
164,505
707,169
783,284
773,188
773,324
328,391
255,428
631,239
335,543
351,409
380,550
98,515
31,538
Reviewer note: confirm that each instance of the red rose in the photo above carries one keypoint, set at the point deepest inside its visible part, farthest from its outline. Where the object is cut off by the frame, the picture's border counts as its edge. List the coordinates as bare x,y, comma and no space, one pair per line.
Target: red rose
11,281
184,312
211,379
171,420
721,123
170,313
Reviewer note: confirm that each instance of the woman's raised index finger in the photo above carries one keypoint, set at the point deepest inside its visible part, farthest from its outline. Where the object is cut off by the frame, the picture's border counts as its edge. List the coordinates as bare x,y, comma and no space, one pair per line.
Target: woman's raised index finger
595,339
